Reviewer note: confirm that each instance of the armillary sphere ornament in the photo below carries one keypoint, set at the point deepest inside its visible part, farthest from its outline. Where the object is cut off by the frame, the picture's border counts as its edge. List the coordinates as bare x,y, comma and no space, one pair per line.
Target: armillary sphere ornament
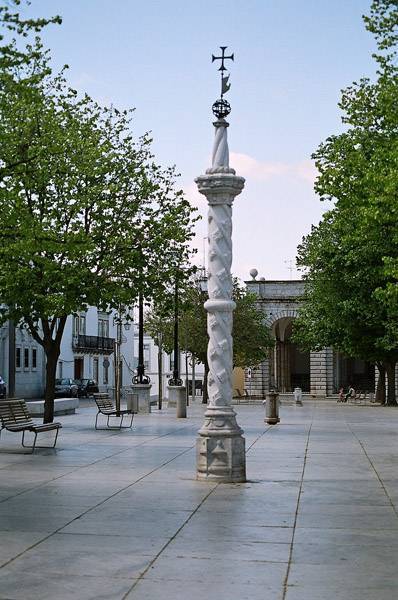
221,108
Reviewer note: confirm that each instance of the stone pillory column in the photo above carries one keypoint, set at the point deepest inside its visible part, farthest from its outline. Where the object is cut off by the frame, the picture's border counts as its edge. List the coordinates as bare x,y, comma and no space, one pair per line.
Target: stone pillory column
220,446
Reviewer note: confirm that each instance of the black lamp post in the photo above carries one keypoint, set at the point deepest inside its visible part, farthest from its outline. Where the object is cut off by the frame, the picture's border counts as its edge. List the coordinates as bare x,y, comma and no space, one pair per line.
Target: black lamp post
118,356
11,359
141,377
176,380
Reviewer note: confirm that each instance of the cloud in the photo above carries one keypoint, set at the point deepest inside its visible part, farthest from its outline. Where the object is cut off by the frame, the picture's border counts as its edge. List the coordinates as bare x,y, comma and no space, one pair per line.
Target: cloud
194,197
264,170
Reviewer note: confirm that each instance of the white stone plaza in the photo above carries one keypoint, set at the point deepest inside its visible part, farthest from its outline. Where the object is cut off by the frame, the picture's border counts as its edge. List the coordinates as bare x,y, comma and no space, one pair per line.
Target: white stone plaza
119,515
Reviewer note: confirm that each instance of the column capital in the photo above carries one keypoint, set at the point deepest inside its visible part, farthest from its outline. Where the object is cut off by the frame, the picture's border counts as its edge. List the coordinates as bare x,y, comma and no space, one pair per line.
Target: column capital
220,188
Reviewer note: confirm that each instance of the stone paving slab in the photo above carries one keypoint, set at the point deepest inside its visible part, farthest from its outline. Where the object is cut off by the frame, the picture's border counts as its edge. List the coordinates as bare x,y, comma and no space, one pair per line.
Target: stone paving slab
119,515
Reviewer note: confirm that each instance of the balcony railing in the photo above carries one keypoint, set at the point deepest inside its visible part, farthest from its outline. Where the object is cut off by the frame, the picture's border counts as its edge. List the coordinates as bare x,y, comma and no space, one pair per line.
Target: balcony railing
93,343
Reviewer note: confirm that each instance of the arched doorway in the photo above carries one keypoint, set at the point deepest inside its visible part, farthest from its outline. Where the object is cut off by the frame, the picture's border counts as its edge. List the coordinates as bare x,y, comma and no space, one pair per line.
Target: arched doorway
289,367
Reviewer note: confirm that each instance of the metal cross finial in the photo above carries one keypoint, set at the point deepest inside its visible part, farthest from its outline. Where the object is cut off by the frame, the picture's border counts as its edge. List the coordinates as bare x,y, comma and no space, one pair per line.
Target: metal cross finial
222,58
221,108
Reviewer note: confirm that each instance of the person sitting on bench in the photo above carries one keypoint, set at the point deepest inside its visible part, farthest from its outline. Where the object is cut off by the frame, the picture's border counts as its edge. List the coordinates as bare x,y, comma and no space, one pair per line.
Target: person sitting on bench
350,393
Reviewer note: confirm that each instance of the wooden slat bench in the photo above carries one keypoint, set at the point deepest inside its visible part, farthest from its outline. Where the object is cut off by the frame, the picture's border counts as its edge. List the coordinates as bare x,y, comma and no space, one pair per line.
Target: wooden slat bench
15,417
107,408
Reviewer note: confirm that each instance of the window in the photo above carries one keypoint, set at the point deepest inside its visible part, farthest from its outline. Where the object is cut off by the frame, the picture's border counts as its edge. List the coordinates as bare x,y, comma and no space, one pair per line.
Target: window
34,358
26,358
18,358
171,357
60,369
103,326
79,325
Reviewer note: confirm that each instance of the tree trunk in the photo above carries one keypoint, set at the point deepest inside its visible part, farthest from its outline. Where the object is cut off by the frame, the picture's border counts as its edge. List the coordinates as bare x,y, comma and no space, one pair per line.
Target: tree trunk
381,385
391,396
52,335
52,354
205,396
160,371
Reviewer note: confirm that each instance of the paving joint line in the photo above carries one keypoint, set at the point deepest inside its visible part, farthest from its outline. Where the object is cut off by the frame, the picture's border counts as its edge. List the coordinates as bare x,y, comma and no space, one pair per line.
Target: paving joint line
374,468
289,563
90,464
142,575
96,505
258,438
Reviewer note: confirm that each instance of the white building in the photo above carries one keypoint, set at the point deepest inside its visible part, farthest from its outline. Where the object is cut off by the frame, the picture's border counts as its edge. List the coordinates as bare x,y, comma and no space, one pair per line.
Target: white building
29,363
87,349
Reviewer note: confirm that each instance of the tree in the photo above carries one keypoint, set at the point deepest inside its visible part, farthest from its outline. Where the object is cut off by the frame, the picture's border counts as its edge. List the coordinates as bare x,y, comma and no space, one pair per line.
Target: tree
88,217
251,337
351,257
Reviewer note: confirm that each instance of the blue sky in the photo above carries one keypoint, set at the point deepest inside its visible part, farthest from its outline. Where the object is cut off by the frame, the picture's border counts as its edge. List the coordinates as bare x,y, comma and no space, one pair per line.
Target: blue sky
292,58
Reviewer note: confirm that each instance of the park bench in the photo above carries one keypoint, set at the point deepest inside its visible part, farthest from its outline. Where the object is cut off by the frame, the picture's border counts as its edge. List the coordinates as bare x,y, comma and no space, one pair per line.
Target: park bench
106,407
15,417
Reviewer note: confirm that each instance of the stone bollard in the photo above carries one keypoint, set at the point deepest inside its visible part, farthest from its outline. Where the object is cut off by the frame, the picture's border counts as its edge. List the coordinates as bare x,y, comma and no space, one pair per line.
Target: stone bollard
298,396
272,408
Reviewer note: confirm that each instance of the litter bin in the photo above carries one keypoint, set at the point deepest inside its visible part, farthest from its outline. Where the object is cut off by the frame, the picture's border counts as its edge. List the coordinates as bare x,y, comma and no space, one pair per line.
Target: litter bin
272,408
298,396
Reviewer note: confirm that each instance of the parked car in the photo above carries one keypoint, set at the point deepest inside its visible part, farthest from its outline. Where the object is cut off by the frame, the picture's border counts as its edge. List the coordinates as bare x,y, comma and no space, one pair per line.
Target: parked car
86,387
66,388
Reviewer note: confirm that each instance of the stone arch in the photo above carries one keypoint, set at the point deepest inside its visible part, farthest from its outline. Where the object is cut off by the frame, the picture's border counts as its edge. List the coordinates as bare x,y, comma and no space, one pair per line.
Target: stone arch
289,367
273,317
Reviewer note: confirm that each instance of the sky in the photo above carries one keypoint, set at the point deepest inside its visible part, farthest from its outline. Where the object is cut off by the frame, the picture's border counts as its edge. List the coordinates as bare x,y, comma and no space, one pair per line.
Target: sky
292,58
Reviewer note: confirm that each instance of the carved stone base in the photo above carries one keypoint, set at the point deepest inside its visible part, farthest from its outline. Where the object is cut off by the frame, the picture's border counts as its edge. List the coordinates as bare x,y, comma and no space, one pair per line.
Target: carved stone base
220,448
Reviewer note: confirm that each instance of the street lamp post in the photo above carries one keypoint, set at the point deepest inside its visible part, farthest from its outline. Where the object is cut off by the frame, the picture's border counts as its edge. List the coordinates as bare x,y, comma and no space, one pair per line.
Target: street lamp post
176,380
176,389
118,358
141,381
11,359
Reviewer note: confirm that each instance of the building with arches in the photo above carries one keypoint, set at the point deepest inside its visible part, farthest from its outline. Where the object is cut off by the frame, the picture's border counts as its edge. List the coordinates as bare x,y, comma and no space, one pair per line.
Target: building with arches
316,373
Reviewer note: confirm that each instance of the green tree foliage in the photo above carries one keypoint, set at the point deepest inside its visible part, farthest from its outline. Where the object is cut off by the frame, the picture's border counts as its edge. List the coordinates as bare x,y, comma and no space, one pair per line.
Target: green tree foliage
88,217
251,337
351,257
